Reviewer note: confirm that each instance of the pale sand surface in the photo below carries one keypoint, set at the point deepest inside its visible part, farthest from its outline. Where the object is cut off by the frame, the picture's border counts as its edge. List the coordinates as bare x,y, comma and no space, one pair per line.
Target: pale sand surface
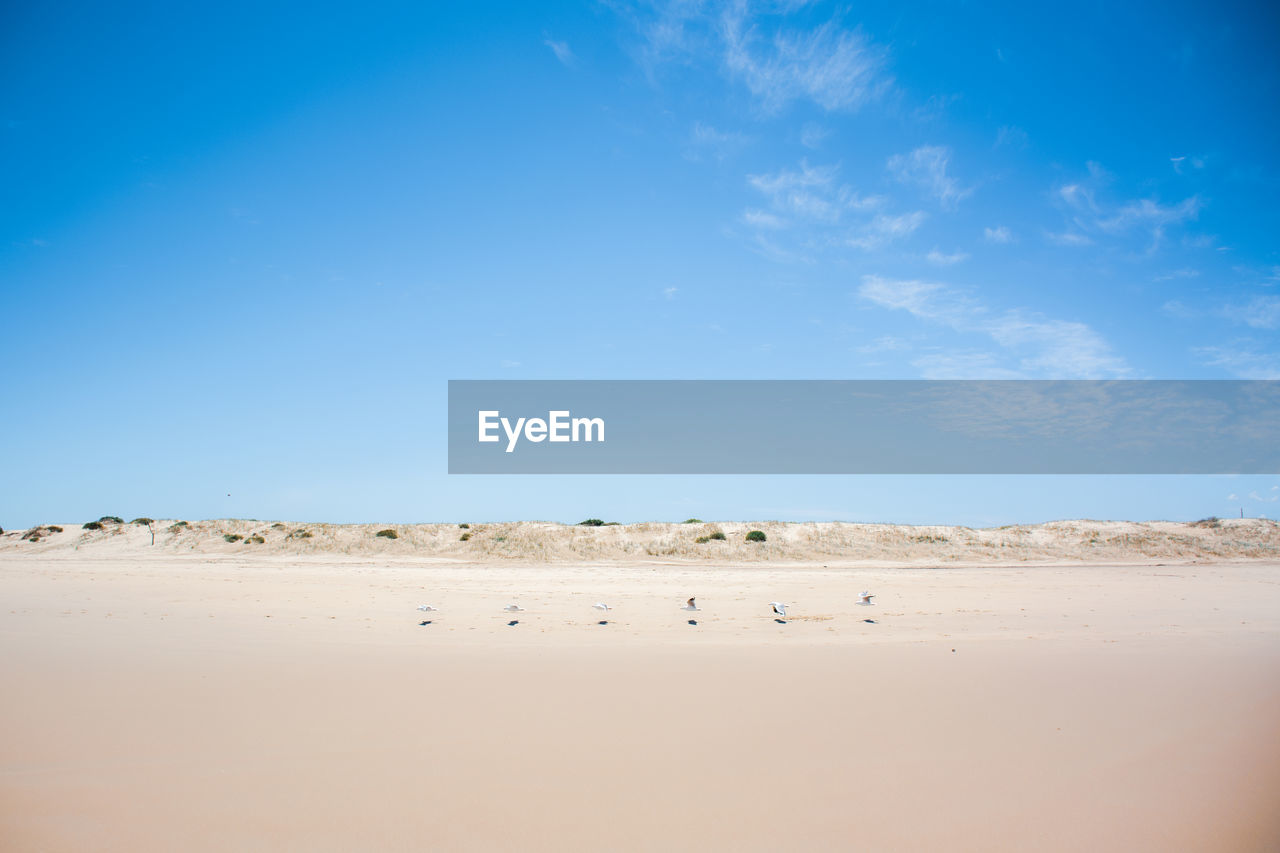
215,701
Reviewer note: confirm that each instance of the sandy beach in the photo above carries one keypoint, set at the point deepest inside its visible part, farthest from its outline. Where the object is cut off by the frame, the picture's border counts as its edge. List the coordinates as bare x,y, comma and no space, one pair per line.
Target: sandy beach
214,698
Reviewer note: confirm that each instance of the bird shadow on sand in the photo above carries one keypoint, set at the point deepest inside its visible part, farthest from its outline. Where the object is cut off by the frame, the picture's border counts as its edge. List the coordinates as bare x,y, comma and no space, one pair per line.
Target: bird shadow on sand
603,622
513,623
869,621
424,622
780,621
693,622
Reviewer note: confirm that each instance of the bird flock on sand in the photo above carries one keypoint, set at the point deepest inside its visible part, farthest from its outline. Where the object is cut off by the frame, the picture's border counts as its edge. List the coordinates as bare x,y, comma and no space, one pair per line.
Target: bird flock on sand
778,608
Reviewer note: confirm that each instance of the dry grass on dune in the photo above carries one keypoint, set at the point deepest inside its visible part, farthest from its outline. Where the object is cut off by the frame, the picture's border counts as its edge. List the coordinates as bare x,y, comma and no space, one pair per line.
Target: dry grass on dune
1067,541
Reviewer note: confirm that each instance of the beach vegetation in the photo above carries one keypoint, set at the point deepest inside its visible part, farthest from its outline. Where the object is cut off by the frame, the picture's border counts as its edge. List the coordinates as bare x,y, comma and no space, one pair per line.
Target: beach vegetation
144,521
114,519
232,537
300,533
692,521
92,525
702,540
388,533
256,539
591,522
277,526
756,536
464,526
464,537
717,535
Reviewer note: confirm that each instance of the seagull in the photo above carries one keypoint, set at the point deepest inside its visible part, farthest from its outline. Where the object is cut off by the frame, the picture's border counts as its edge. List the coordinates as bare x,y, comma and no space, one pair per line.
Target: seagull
865,599
778,608
600,605
513,608
427,608
689,605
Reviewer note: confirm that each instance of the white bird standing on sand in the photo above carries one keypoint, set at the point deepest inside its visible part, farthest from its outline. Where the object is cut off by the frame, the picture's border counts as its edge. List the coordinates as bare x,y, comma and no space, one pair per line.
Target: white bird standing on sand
865,599
600,605
689,605
778,608
427,608
513,608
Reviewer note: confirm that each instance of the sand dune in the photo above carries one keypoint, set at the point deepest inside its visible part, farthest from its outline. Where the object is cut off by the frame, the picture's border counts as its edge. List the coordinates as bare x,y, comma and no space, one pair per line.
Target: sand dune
1060,541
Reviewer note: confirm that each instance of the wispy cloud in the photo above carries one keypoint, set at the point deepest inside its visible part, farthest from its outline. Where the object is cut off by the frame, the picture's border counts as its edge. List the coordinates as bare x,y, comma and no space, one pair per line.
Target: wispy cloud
562,51
821,213
670,292
926,167
998,234
706,140
1090,218
1042,346
944,259
759,47
1260,312
1241,358
812,135
835,68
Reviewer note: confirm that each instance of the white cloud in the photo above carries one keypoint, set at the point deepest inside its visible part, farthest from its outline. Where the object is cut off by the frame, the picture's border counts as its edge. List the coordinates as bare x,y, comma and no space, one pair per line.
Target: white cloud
883,229
835,68
1185,272
1044,347
1261,312
812,135
561,50
705,138
945,260
999,234
1068,238
670,292
1267,499
763,219
926,167
1241,359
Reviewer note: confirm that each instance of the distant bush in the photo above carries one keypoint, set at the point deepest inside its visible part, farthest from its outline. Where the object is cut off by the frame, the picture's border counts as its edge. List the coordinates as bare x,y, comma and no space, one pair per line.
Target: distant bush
53,528
464,526
112,518
387,534
277,526
611,524
702,540
692,521
499,539
591,522
717,535
92,525
1211,521
464,537
143,521
756,536
255,539
232,537
300,533
177,526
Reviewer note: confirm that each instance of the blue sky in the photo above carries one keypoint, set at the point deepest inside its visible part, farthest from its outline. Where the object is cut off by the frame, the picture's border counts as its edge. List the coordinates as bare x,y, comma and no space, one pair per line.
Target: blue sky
242,248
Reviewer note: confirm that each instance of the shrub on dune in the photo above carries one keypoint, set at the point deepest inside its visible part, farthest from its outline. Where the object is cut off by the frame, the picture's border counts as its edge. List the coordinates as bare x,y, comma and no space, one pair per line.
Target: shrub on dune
232,537
756,536
387,534
114,519
92,525
591,522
